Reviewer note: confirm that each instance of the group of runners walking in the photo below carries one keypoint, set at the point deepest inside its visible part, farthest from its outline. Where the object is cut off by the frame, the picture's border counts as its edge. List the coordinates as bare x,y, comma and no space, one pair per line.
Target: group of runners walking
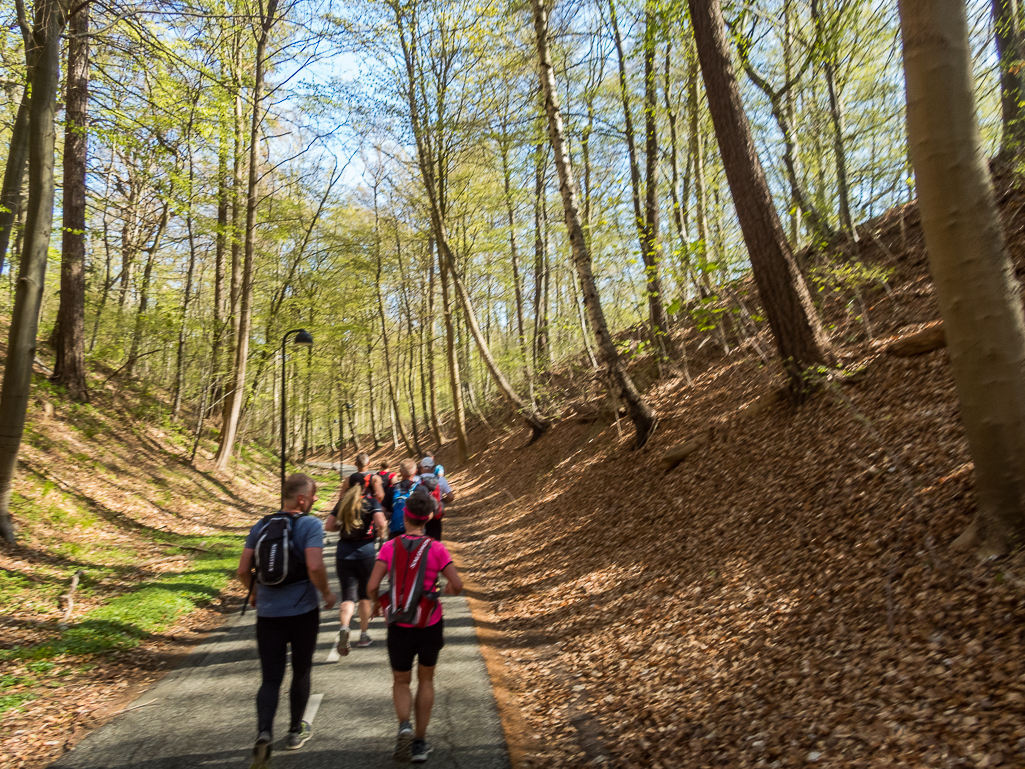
390,525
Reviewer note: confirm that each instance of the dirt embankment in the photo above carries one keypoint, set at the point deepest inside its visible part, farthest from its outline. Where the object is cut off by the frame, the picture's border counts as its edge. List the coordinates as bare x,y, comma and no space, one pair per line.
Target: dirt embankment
784,597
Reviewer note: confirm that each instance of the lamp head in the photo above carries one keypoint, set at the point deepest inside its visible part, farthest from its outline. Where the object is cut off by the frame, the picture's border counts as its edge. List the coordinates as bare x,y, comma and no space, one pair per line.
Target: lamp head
303,337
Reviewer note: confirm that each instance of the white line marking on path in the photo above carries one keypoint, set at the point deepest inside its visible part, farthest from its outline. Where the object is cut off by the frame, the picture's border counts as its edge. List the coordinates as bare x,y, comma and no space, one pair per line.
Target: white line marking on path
333,655
312,707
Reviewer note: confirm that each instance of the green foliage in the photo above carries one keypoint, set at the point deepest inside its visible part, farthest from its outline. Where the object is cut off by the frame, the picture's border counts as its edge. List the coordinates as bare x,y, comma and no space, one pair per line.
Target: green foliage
123,621
848,276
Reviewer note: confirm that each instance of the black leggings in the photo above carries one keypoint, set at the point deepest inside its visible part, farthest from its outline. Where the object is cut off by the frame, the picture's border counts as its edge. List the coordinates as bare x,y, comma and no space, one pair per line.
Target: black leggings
273,635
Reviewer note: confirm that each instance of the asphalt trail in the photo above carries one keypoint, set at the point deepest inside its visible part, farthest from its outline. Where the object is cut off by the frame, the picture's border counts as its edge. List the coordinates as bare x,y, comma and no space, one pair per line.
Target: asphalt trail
203,714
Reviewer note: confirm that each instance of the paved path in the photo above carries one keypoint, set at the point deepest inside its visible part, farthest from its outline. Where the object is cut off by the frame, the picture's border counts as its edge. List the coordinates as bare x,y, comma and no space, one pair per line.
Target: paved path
346,470
204,713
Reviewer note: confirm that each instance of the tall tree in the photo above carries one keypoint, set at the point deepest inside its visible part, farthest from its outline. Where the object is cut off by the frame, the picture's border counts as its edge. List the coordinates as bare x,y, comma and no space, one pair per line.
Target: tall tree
978,293
49,19
234,396
646,212
17,154
795,325
1010,42
410,39
69,332
641,414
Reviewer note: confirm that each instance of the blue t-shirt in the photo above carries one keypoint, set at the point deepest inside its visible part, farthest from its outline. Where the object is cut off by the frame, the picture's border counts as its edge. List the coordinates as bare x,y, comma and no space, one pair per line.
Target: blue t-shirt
298,597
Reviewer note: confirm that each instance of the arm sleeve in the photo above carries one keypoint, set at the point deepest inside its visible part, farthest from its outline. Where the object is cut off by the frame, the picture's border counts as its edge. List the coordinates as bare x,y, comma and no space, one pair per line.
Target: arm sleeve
444,487
252,536
313,532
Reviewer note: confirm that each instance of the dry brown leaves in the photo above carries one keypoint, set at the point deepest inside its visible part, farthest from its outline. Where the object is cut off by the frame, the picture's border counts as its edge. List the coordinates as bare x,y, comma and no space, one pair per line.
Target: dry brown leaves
785,597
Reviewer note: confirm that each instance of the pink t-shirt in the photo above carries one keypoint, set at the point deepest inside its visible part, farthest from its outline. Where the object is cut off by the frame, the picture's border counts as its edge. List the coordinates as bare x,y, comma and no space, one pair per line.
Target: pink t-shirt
437,559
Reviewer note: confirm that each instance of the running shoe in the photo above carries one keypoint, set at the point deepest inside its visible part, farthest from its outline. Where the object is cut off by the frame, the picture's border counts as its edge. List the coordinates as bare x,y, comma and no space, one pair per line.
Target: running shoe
299,738
343,641
364,640
261,751
421,751
403,742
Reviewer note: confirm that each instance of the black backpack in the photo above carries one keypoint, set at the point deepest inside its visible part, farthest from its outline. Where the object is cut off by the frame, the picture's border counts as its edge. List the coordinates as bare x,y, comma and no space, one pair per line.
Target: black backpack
276,560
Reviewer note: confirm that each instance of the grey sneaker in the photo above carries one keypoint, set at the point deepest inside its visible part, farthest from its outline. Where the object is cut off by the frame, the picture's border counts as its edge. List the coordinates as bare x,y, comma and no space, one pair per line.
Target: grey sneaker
364,640
297,739
261,751
343,641
421,751
403,742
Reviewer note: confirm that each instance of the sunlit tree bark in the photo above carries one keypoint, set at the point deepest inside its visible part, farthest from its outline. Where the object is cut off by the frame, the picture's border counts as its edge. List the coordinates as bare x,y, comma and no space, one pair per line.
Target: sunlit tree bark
976,288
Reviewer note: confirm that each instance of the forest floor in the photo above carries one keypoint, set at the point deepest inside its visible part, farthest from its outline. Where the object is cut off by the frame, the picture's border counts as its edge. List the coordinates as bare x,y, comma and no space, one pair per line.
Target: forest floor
787,596
106,490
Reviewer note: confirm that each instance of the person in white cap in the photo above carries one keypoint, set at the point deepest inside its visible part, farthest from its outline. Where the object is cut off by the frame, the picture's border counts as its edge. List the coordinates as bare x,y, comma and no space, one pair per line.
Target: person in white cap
443,495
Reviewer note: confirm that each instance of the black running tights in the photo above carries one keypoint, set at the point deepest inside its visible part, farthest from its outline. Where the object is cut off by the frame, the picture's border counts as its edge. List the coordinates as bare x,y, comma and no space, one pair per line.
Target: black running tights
273,635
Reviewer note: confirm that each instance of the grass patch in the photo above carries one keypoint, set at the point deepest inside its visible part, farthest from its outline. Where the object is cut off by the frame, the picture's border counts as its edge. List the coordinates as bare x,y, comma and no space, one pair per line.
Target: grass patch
123,621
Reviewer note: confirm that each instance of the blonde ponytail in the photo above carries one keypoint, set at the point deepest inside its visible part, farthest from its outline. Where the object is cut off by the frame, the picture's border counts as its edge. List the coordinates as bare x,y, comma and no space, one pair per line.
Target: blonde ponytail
350,510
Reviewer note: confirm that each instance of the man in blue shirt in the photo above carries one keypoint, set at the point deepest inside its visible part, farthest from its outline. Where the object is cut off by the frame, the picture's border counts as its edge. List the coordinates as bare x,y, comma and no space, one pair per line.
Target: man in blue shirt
445,496
287,615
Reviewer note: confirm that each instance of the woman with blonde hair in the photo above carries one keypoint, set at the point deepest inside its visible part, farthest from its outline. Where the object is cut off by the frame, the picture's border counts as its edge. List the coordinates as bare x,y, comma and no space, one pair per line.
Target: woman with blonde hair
359,519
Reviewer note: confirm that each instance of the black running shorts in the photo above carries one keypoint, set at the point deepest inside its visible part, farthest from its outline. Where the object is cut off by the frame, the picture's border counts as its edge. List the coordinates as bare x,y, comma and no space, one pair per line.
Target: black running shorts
406,643
353,575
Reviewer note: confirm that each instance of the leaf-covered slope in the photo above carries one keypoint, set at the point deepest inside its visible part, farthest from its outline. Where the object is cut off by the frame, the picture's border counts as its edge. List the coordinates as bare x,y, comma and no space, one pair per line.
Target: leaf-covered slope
787,595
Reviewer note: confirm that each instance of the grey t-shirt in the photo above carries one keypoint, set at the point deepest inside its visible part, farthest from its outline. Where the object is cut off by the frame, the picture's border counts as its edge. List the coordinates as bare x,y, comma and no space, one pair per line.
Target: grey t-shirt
299,597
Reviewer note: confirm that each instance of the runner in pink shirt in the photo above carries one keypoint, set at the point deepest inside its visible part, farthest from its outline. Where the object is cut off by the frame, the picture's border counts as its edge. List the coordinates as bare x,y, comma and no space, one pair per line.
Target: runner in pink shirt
407,642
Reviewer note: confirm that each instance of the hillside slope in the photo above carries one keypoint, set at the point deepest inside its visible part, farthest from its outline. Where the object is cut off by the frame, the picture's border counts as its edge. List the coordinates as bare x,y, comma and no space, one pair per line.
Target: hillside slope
105,491
784,597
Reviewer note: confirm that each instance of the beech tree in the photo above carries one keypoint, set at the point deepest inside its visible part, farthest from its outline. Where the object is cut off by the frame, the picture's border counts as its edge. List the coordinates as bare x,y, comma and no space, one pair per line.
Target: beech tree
795,325
641,414
976,288
69,331
49,19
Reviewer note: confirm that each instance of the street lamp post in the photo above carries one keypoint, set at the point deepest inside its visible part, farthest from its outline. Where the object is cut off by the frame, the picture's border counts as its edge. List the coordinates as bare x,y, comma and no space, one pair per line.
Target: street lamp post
302,336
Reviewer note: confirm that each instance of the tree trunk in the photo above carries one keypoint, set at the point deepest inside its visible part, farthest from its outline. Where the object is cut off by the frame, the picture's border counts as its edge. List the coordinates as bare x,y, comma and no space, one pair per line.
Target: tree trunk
237,387
1007,26
147,276
790,110
527,412
237,236
370,396
392,398
455,380
220,250
697,153
781,103
14,175
514,256
179,366
646,218
799,336
827,49
69,339
976,288
49,21
643,417
439,437
540,348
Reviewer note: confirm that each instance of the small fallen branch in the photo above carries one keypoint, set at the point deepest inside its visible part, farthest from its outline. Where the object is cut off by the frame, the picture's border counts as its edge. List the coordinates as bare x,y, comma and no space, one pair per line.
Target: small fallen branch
183,547
69,598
